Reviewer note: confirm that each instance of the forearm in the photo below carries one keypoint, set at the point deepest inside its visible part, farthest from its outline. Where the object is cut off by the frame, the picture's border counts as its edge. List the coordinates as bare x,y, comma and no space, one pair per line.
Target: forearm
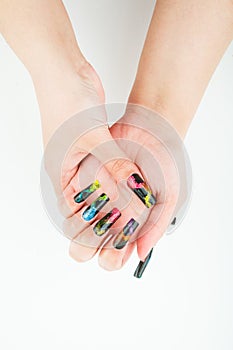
185,41
40,33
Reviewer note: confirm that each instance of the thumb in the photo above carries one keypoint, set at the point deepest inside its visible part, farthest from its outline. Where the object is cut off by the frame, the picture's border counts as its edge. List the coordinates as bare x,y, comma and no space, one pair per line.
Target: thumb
114,159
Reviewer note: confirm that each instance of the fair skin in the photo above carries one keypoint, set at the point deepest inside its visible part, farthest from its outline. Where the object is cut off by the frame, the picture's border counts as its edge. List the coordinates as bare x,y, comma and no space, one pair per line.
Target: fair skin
185,41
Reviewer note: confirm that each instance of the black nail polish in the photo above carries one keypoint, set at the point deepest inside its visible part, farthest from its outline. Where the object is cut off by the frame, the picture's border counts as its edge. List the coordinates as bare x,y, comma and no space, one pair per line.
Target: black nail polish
142,265
95,207
123,237
104,224
84,194
142,190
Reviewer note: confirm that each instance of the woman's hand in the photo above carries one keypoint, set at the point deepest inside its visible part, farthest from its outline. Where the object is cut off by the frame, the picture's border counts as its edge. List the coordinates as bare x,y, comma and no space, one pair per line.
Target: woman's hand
156,164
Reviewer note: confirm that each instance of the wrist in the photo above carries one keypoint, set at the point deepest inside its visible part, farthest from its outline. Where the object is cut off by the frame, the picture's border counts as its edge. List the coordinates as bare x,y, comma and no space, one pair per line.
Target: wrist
65,92
55,67
179,118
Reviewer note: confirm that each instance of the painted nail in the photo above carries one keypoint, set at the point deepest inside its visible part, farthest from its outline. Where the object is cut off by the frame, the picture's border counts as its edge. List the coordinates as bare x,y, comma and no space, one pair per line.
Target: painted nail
93,209
84,194
142,265
123,237
104,224
141,189
173,221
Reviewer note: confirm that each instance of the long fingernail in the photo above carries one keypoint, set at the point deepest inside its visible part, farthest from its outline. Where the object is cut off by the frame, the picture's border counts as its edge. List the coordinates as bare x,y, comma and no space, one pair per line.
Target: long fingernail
104,224
142,265
93,209
123,237
84,194
141,189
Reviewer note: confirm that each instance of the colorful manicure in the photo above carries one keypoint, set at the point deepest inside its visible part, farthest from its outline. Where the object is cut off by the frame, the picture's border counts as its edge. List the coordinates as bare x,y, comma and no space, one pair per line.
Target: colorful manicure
93,209
123,237
142,190
84,194
104,224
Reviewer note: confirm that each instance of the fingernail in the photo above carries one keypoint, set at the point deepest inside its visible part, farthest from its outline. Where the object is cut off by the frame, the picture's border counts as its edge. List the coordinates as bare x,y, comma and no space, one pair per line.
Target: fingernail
173,221
123,237
104,224
141,189
84,194
93,209
142,265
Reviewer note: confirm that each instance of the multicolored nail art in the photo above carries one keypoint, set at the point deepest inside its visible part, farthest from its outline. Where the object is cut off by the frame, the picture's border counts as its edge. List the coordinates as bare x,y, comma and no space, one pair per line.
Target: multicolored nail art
84,194
124,236
104,224
93,209
141,189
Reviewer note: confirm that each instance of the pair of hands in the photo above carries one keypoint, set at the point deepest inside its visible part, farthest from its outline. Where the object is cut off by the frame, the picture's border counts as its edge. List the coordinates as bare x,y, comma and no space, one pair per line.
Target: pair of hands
84,149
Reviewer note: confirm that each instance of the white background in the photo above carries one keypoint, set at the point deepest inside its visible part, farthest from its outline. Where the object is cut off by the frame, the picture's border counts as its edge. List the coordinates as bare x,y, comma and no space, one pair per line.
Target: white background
47,300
